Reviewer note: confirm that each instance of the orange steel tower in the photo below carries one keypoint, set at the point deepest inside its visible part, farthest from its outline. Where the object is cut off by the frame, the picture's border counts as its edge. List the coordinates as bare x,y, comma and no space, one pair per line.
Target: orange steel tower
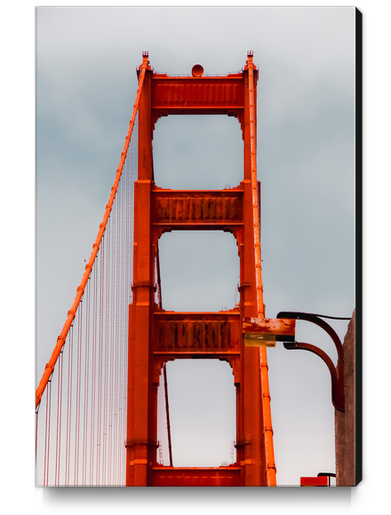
156,335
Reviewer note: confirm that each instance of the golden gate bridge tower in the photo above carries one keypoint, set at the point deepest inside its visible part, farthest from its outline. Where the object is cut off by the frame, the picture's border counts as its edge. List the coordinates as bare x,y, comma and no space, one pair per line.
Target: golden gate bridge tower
99,423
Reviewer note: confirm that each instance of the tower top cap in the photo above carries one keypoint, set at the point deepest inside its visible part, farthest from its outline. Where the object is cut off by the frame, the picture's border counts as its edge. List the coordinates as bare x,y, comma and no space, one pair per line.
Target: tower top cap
197,70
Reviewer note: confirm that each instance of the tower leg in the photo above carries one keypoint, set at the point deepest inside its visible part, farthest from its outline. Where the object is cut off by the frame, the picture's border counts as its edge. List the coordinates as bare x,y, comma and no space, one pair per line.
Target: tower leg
141,429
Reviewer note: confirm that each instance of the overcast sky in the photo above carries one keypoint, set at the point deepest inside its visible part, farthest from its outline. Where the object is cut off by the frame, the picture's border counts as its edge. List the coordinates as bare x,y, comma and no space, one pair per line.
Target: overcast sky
86,86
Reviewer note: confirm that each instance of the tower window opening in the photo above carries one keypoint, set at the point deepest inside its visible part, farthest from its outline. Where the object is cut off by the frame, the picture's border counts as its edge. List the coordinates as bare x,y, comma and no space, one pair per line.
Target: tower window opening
198,152
199,271
202,413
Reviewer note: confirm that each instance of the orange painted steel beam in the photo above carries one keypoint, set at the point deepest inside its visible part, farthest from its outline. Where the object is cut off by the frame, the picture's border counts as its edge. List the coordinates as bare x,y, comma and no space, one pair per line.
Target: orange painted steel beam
187,335
254,186
197,209
141,441
267,421
197,95
251,436
196,476
95,248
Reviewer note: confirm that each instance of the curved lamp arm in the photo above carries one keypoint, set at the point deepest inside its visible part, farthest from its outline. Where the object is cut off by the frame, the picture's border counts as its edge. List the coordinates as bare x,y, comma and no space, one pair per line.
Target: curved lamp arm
337,373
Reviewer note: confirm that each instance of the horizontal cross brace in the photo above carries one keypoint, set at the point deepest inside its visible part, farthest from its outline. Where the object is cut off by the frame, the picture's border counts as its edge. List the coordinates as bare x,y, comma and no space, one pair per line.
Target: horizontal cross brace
193,93
197,333
197,476
185,209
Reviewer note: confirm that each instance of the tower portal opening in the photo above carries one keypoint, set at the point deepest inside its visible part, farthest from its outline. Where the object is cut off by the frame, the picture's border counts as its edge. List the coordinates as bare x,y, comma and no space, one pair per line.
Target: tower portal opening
199,271
202,413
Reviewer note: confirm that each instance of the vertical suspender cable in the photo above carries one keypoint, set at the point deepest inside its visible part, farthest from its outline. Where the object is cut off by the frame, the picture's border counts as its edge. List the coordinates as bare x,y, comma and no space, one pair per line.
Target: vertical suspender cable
110,343
164,366
69,409
78,395
80,290
116,339
47,437
86,396
106,340
93,374
267,421
167,413
100,362
59,418
36,435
